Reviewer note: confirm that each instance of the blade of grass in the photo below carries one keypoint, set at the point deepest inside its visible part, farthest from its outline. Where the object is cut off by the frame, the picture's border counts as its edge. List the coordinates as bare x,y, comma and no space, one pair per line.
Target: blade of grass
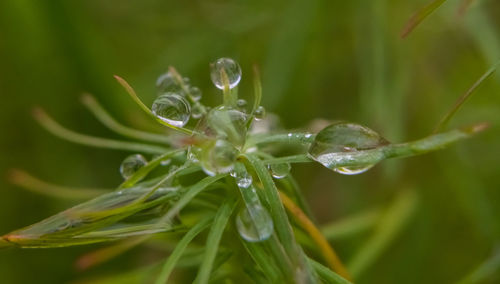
351,225
419,16
444,121
483,271
26,181
280,218
213,240
136,99
105,118
314,233
56,129
326,274
169,265
390,225
257,86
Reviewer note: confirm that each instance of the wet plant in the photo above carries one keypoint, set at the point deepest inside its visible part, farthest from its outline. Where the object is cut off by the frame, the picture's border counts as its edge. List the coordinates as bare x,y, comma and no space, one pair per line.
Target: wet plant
215,191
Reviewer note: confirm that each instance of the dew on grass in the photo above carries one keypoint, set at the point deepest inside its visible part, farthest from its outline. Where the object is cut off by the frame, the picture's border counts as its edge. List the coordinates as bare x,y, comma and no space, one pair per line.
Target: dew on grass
131,165
172,109
227,66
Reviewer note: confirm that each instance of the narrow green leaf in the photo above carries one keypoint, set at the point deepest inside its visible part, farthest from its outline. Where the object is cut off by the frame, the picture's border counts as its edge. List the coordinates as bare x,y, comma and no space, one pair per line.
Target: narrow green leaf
460,101
484,271
420,15
326,274
56,129
352,225
169,265
390,225
105,118
213,240
26,181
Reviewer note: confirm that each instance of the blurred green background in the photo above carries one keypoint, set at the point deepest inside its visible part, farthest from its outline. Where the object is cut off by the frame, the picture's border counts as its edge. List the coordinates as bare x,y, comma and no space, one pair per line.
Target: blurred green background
318,59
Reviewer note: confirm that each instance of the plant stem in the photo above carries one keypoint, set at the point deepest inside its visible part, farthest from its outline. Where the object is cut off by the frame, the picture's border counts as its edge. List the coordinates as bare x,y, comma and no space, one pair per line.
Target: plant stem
326,250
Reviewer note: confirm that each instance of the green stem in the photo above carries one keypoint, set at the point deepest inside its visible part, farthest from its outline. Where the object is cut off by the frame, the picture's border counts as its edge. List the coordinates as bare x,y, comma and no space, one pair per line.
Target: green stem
326,274
56,129
105,118
213,240
169,265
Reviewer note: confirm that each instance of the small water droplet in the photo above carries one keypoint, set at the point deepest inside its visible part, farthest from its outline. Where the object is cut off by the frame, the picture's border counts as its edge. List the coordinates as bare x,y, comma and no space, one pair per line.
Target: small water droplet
346,143
243,178
195,93
308,135
165,162
254,224
196,111
280,170
131,165
172,108
218,157
186,80
289,134
193,154
230,67
241,104
167,83
260,113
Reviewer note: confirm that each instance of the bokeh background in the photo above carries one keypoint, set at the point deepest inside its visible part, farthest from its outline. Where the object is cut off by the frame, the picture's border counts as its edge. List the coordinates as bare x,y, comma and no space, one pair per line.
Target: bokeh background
319,59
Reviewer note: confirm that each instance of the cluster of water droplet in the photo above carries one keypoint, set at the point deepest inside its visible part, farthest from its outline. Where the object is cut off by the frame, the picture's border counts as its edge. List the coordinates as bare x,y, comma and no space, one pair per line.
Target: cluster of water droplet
342,142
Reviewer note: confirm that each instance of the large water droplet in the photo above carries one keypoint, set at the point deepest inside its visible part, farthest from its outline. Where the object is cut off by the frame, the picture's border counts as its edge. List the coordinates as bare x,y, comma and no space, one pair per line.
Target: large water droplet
217,157
346,143
167,83
227,123
172,108
131,165
254,224
230,67
280,170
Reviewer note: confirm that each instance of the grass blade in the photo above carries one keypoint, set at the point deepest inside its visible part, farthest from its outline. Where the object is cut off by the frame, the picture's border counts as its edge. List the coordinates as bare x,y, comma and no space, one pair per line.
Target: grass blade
351,225
485,270
169,265
390,225
419,16
444,121
326,274
26,181
105,118
56,129
213,240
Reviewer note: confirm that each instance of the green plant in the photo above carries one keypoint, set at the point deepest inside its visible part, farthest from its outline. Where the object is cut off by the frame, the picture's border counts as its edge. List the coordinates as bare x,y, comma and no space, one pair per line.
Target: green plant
223,176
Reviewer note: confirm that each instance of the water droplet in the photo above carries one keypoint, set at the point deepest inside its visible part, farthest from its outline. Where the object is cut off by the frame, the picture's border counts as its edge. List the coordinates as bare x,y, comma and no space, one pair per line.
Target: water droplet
243,178
241,104
195,93
344,143
132,164
193,154
230,67
227,123
186,80
218,157
196,111
260,113
172,108
254,224
289,134
280,170
165,162
167,83
308,135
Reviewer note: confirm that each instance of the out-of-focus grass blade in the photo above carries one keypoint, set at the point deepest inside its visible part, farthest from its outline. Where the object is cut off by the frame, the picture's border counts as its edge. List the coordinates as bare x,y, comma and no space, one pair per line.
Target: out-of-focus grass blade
26,181
105,118
169,265
484,271
462,9
444,121
56,129
104,254
213,240
389,226
326,274
275,269
420,15
351,225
